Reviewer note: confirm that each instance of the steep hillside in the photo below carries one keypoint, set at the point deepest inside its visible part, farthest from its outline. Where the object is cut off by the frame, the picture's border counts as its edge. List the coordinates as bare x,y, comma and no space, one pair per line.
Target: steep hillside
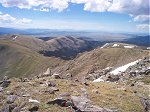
17,60
68,47
66,42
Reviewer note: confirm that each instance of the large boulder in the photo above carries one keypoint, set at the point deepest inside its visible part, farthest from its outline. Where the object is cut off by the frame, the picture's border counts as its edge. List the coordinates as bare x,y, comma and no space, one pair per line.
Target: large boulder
51,90
84,105
34,108
48,72
5,83
8,107
1,89
68,76
98,73
146,104
56,76
113,78
58,101
16,109
50,84
11,99
24,80
65,94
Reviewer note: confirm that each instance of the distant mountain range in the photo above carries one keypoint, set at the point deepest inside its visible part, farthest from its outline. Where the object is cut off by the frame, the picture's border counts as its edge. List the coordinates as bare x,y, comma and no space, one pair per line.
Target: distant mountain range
137,39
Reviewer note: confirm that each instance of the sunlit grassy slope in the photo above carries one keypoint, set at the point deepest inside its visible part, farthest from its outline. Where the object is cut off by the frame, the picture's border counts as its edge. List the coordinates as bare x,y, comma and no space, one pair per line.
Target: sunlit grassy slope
16,60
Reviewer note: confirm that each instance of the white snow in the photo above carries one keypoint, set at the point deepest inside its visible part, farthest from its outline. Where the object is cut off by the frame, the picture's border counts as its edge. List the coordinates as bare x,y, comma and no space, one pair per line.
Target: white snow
15,38
105,45
124,68
130,47
33,101
148,47
115,45
99,80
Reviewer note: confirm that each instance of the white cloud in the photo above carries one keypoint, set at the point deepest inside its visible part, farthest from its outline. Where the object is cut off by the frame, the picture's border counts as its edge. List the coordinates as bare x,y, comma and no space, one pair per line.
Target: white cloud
45,4
6,18
137,9
134,7
24,21
16,3
42,9
143,27
142,18
94,5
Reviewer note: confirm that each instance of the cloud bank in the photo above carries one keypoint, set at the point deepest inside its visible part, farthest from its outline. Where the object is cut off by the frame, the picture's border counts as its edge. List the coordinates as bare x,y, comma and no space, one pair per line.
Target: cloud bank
139,9
134,7
8,19
143,26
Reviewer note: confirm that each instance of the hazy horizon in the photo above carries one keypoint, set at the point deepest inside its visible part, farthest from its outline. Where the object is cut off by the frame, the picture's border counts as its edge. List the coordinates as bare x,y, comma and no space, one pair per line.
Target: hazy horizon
77,15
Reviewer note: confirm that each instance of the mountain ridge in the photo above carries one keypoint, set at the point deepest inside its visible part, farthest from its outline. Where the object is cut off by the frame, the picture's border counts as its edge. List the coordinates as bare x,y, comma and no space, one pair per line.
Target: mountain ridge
87,55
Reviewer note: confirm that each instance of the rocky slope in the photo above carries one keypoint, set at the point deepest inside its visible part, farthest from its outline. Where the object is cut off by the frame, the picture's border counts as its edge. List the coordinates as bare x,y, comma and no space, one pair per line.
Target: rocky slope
49,93
137,70
101,58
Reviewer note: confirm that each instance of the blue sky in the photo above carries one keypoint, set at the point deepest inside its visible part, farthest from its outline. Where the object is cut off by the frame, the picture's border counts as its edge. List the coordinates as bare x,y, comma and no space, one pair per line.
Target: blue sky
95,15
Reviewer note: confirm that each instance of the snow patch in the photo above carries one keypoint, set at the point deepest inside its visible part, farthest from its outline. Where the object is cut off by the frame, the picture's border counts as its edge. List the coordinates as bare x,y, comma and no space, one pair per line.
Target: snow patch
105,45
99,80
33,101
148,47
129,47
15,38
115,45
124,68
